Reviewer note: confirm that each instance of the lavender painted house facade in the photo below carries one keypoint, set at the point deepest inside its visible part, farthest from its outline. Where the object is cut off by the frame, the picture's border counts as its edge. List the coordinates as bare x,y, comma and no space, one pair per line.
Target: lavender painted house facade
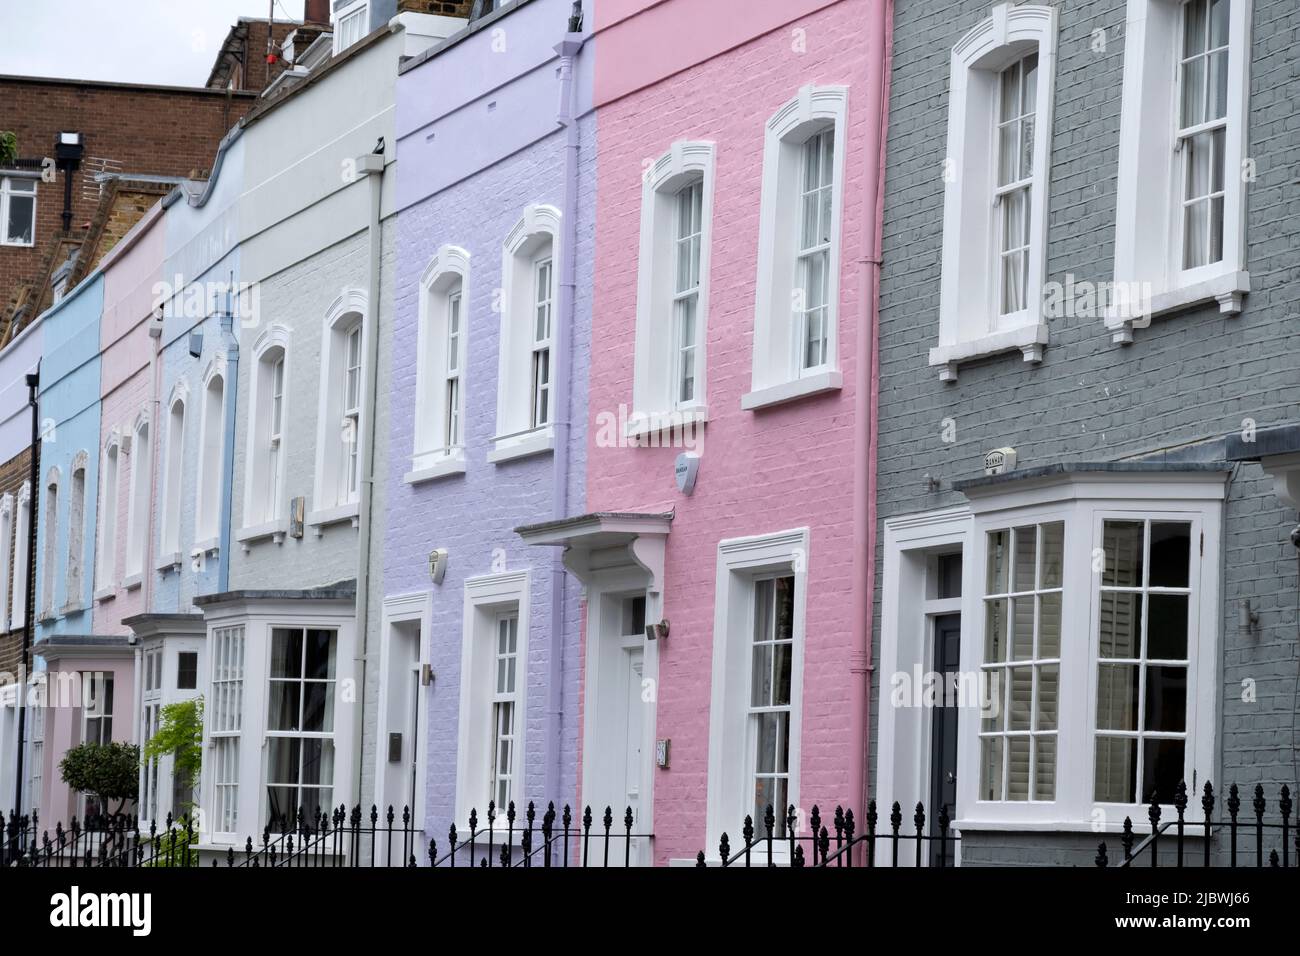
483,420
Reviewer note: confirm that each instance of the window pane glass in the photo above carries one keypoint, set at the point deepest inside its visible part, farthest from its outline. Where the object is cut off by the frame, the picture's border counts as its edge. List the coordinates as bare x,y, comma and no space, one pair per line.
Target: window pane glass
1193,27
761,683
995,630
1022,628
1193,110
1171,554
1044,768
286,653
1218,23
1029,84
1216,230
1027,147
1026,557
1117,696
991,768
1195,229
320,655
1008,151
1121,620
1022,696
1218,105
1162,769
1049,626
1166,699
1123,554
1018,768
1167,621
18,228
284,705
997,563
1048,696
1116,770
317,761
1053,552
282,759
784,656
1010,105
318,707
769,741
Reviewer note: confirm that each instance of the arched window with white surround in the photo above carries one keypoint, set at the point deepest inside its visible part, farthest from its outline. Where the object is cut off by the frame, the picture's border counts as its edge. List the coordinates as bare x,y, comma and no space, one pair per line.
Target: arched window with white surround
439,447
9,547
673,287
174,459
22,529
76,532
339,425
266,440
211,445
1180,226
526,399
50,553
106,540
140,497
796,302
996,189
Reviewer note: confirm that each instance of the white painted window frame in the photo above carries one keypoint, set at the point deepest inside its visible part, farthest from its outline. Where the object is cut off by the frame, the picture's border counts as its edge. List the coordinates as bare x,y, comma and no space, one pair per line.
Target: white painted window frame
524,245
212,445
50,532
173,480
106,571
224,723
140,502
10,554
740,562
655,367
448,273
485,598
22,525
343,10
7,190
333,500
778,375
1082,503
74,571
1148,247
970,326
263,518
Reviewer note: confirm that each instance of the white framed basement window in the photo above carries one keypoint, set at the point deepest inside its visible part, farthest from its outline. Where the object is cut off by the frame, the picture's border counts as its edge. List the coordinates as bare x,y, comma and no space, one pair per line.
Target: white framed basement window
17,211
1180,230
106,551
173,457
351,23
526,399
669,385
22,526
339,427
490,754
267,439
796,306
756,705
1094,630
996,193
141,495
212,427
442,337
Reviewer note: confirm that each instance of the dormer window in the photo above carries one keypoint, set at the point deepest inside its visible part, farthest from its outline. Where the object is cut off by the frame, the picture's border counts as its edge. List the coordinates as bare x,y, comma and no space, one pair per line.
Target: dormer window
351,23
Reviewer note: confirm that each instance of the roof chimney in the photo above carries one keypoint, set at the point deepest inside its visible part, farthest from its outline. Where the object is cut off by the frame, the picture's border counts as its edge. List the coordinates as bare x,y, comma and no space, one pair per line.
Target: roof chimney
317,11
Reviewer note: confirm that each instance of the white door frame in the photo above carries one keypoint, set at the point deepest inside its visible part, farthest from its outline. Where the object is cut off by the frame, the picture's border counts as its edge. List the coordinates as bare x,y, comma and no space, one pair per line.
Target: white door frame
402,609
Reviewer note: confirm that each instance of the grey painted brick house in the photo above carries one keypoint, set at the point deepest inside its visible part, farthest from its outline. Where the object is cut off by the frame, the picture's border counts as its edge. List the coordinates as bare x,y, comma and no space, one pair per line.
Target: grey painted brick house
1090,224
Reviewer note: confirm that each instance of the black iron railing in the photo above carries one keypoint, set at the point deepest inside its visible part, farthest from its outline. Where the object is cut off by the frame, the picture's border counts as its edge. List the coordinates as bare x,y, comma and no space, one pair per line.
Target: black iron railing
1232,842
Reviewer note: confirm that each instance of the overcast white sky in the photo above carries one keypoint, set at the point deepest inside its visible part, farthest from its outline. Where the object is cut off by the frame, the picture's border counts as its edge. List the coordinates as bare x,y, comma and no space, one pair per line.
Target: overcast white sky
171,42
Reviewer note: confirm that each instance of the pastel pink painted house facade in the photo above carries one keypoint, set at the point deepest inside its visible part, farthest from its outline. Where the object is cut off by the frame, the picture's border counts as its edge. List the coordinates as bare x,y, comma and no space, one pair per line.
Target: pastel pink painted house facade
726,547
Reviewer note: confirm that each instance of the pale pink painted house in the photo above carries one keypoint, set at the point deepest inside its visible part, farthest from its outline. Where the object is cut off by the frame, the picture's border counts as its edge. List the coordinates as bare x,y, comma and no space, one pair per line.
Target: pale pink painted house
733,334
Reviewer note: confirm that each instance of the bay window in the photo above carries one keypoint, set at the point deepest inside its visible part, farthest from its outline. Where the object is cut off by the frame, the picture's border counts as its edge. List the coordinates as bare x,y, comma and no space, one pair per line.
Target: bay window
1183,163
225,724
300,724
1094,632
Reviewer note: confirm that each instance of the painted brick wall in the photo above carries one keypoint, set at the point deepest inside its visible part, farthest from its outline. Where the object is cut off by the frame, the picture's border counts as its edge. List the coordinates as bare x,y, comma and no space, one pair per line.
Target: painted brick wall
773,470
1189,378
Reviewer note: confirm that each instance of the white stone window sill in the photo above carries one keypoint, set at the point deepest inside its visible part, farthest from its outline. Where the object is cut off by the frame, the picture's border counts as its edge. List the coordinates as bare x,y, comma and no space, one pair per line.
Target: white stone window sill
537,442
132,581
105,594
70,608
350,512
791,391
642,424
168,560
48,617
1027,339
275,530
1227,289
207,546
431,468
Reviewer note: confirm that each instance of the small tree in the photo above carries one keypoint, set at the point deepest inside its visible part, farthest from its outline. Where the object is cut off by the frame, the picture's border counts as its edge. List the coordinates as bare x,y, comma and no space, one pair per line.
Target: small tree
180,735
8,148
107,771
